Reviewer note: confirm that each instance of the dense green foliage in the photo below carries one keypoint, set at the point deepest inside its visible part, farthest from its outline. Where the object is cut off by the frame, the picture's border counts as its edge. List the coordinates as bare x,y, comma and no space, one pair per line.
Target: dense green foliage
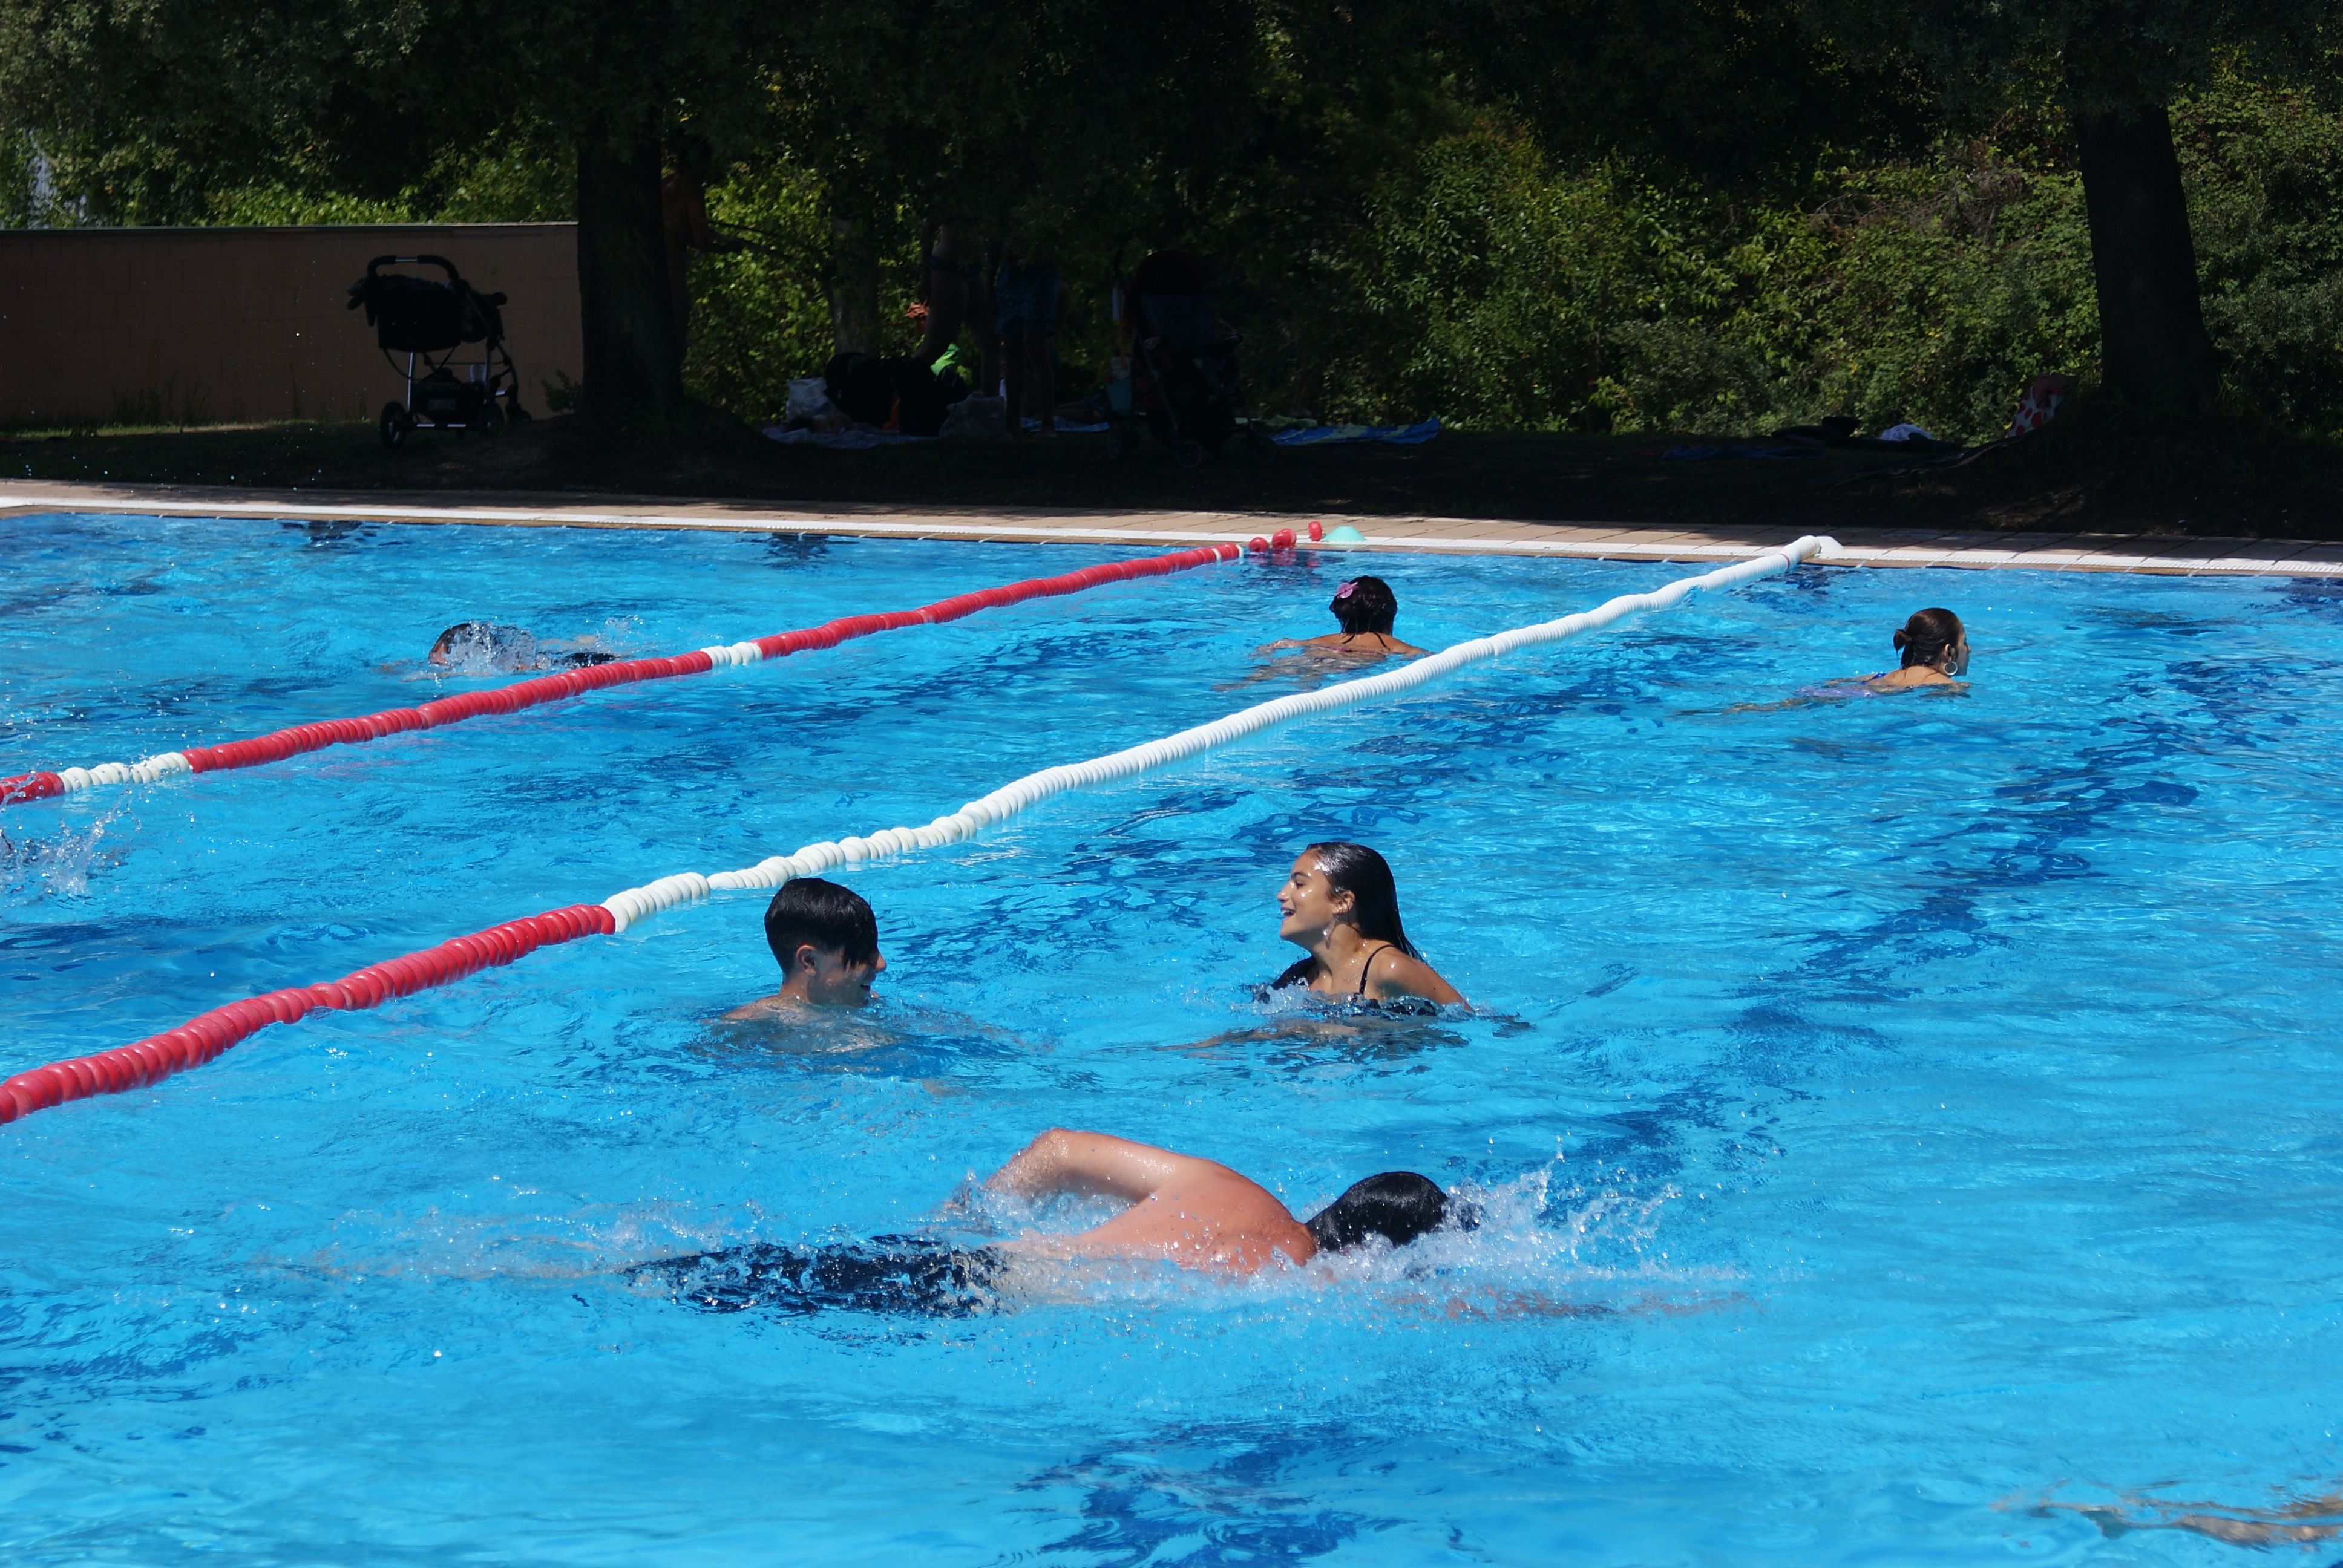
1401,223
1477,280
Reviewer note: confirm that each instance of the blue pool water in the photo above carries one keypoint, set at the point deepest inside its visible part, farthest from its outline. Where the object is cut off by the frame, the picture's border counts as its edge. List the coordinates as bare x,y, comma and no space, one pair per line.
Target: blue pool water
1907,1125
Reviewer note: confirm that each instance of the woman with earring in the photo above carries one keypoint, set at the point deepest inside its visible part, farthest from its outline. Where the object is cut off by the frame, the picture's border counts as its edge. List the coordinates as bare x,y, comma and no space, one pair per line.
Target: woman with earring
1340,904
1935,648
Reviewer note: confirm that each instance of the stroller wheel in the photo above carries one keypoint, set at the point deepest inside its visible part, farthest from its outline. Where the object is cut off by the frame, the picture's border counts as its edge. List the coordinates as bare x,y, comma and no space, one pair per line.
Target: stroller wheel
395,424
516,414
1190,452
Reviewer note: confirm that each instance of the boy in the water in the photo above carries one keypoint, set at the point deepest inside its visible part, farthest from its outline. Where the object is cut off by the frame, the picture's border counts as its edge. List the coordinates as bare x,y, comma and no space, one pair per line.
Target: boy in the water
826,940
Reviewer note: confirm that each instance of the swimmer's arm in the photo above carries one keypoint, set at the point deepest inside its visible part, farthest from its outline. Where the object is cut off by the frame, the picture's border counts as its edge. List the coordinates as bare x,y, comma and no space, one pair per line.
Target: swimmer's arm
1091,1163
1393,973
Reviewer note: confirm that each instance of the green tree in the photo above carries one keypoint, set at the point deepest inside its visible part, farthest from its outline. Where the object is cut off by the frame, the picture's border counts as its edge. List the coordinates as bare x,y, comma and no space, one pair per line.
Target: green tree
2114,67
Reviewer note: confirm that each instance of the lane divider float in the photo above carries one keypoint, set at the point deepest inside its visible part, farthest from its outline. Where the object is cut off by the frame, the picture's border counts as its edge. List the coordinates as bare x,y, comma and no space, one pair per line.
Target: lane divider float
202,1037
544,688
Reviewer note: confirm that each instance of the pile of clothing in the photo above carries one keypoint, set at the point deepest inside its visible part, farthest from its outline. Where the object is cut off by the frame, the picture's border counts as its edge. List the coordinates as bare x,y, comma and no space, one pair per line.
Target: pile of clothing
861,400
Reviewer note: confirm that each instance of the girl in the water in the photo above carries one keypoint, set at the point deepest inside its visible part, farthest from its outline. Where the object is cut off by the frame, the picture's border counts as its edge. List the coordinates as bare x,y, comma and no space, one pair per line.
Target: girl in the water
1365,606
1935,648
1340,904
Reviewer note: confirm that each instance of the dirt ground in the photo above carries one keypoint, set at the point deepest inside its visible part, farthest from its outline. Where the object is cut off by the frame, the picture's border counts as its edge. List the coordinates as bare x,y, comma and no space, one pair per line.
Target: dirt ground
2097,469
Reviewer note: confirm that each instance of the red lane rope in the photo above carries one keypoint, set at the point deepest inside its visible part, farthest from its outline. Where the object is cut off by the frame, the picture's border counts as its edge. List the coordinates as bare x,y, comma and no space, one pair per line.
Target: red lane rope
203,1037
543,688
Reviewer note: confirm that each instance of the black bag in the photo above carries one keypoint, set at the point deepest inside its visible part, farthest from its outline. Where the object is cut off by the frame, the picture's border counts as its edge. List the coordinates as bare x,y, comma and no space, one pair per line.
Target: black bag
861,384
416,315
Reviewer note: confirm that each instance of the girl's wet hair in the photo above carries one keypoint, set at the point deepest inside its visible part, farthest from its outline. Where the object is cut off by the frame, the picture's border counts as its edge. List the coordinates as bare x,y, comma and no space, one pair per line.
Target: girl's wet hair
1355,870
1397,1205
1366,603
1927,635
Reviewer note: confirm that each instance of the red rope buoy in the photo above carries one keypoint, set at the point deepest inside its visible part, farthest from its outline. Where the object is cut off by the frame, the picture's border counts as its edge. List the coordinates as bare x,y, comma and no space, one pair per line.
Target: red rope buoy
283,743
206,1035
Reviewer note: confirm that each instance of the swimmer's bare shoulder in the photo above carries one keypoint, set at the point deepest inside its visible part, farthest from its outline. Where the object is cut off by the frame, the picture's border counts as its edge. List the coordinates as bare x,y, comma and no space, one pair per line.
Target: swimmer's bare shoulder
1392,974
1195,1212
764,1007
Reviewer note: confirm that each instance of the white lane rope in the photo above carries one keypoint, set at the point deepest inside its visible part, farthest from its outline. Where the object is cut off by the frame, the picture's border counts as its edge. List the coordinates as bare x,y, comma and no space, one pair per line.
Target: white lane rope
639,903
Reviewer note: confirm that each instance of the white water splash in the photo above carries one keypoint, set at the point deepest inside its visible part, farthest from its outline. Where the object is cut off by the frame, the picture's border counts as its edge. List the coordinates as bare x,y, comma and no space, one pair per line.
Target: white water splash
57,865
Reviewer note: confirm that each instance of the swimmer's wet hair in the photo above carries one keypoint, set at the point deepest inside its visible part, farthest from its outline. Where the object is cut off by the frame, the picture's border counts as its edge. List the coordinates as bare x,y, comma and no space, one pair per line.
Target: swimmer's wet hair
1927,635
808,911
1355,870
1366,603
1397,1205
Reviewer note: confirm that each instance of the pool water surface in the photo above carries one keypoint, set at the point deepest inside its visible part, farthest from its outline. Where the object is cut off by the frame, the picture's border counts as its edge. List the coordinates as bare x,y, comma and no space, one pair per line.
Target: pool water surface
1906,1129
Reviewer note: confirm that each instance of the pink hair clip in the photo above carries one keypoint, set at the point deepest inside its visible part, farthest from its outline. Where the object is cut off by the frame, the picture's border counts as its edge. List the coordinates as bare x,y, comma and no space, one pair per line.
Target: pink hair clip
1345,590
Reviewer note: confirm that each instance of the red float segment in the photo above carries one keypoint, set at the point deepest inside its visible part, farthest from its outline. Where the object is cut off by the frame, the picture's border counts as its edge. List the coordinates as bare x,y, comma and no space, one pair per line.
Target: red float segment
202,1037
283,743
30,786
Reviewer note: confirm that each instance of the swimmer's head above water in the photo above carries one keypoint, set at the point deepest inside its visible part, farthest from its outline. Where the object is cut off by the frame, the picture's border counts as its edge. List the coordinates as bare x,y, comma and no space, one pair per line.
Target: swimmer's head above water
826,940
1340,903
1365,605
1935,642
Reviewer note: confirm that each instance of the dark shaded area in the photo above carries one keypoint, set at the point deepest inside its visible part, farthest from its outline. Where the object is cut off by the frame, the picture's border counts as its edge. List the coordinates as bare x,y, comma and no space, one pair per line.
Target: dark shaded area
2100,468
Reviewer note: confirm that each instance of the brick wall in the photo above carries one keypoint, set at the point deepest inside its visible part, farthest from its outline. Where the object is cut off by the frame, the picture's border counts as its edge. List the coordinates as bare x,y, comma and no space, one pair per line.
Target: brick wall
221,325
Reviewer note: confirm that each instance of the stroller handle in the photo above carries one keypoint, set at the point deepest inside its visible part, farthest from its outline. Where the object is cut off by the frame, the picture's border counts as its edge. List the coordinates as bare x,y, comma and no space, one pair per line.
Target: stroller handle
441,262
356,291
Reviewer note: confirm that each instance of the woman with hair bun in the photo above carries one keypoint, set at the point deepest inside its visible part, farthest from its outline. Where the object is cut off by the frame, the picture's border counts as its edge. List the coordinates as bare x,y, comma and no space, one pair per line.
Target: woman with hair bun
1340,904
1935,648
1365,608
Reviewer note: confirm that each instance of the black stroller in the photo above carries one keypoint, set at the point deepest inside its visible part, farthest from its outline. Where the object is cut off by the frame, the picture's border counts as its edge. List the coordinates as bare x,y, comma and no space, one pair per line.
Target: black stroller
1181,380
431,322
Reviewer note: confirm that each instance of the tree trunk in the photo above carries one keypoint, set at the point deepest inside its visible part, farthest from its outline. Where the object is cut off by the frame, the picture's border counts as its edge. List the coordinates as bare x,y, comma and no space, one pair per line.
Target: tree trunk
2152,338
853,287
633,364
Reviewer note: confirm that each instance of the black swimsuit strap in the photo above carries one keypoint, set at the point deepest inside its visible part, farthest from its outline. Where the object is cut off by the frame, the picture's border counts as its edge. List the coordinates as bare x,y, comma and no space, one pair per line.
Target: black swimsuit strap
1363,968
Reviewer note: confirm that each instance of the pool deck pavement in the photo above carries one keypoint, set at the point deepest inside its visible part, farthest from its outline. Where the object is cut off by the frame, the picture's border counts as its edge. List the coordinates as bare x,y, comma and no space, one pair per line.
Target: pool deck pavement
1859,547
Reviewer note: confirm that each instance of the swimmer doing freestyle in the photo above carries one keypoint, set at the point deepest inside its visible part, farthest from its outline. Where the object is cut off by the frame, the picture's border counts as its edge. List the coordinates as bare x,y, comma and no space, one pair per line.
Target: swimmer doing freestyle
1192,1213
506,649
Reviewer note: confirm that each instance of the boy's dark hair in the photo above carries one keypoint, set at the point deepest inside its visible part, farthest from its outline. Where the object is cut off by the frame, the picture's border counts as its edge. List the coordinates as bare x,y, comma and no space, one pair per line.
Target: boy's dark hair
1397,1205
808,911
1364,605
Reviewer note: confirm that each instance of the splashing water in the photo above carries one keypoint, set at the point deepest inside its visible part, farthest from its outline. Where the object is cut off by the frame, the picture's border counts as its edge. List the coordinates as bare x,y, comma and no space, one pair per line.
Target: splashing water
58,864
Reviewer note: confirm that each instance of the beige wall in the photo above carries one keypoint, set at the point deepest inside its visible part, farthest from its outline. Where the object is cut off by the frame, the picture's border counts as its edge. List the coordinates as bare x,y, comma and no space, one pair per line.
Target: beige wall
212,325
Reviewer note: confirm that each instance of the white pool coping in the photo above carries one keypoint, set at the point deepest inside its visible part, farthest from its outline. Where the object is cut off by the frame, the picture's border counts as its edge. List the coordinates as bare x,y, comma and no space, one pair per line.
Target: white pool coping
1859,547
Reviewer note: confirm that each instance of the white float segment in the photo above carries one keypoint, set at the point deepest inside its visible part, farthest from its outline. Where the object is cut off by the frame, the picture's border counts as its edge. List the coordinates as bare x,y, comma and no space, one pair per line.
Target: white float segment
161,766
635,904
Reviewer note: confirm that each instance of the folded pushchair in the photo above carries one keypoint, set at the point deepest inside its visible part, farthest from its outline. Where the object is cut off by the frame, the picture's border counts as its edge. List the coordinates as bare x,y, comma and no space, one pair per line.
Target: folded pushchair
431,322
1180,379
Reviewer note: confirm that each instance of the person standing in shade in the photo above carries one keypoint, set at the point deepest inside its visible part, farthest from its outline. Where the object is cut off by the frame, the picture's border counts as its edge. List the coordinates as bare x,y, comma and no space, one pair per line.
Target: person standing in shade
1025,314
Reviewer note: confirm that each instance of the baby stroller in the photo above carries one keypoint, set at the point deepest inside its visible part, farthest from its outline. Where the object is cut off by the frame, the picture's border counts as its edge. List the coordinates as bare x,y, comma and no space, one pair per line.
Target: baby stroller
431,322
1180,378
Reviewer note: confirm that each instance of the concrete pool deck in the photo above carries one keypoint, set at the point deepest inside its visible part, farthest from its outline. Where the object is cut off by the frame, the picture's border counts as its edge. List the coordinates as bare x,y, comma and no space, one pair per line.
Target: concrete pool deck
1860,547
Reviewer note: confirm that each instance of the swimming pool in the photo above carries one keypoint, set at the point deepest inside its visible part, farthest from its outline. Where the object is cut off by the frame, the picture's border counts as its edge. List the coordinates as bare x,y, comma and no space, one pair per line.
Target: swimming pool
1931,1103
